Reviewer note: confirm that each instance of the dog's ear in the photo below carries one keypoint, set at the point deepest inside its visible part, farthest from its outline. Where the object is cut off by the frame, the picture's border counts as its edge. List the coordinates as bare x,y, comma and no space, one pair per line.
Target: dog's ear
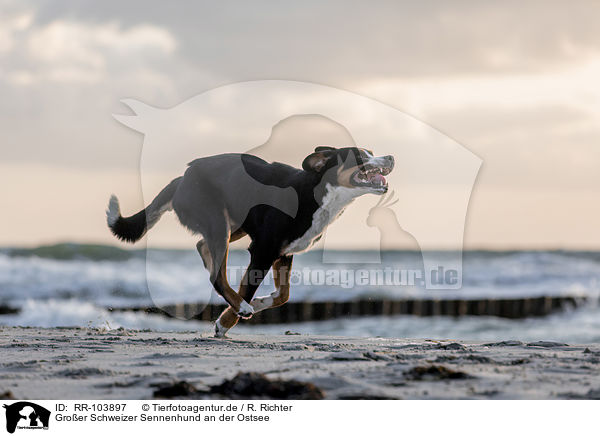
316,161
324,148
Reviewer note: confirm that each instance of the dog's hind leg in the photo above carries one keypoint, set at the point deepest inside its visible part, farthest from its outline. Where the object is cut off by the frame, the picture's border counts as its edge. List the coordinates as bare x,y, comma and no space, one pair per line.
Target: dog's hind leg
202,248
253,277
214,255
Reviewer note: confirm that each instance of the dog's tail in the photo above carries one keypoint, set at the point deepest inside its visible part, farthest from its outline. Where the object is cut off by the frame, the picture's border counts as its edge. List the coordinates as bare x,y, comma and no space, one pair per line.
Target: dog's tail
132,229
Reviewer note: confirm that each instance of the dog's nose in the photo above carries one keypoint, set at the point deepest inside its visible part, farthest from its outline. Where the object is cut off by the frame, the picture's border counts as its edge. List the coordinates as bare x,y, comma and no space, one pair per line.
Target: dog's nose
390,159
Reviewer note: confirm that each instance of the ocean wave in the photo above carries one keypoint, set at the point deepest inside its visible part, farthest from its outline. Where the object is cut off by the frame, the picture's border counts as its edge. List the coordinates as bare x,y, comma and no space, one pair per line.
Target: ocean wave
576,326
94,274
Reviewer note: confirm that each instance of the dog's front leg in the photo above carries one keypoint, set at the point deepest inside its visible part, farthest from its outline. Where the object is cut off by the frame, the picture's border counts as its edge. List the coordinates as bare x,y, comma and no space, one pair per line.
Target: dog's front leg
281,274
225,322
253,277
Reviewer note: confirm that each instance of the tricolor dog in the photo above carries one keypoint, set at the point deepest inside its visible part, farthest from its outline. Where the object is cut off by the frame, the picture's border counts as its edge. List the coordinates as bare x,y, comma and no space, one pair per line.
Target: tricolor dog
284,210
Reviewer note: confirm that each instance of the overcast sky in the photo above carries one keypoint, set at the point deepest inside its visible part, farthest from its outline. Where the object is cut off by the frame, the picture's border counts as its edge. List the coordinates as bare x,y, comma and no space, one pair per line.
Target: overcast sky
514,82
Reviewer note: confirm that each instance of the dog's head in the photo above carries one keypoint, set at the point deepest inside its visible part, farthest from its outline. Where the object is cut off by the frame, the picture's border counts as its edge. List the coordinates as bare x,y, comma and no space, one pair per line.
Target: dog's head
351,167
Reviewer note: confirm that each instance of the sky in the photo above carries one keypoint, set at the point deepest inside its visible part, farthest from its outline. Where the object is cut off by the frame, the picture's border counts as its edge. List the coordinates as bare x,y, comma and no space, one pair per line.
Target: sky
516,83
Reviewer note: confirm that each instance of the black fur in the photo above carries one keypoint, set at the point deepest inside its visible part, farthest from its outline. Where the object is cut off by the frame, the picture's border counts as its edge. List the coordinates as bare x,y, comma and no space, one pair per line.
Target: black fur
227,196
130,229
268,226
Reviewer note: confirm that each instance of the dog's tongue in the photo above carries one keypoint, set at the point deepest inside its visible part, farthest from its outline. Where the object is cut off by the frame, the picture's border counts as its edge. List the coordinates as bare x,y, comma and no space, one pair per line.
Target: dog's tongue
377,178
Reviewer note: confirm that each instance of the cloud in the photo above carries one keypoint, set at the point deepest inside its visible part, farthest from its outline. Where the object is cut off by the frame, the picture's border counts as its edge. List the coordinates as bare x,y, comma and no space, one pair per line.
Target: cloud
531,129
71,41
76,52
339,41
11,26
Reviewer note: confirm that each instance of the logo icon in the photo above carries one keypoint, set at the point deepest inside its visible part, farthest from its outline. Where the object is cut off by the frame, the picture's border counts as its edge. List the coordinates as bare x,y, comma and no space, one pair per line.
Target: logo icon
26,415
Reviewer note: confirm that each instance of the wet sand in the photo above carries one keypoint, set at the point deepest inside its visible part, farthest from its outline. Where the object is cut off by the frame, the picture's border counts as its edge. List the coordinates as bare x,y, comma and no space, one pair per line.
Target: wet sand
83,363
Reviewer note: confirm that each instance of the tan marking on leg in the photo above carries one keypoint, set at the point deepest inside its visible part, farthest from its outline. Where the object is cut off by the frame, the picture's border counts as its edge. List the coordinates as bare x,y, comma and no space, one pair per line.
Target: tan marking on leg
229,316
234,299
205,255
281,276
226,321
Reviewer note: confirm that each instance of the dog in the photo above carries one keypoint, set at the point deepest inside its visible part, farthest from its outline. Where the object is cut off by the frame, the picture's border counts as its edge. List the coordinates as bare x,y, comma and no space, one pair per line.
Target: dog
284,210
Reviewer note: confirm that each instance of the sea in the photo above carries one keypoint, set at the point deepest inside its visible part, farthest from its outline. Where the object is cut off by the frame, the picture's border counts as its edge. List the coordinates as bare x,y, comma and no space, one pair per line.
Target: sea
80,285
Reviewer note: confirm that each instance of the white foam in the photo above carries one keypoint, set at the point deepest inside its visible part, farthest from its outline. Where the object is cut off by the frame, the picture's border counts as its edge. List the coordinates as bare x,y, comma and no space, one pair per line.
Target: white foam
74,313
113,212
580,326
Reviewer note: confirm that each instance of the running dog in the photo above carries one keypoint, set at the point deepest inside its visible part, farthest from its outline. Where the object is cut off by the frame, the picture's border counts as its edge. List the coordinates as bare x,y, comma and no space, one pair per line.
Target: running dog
283,209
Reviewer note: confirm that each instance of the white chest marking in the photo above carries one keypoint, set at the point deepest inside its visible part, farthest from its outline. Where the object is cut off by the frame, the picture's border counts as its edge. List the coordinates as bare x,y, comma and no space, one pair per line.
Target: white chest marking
334,203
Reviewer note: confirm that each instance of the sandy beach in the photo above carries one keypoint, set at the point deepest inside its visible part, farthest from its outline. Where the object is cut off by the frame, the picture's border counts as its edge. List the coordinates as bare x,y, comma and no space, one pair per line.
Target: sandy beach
83,363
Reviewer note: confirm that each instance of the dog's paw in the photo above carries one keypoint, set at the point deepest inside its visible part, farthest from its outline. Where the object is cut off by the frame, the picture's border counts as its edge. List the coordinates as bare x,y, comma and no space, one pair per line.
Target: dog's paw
220,331
246,311
261,303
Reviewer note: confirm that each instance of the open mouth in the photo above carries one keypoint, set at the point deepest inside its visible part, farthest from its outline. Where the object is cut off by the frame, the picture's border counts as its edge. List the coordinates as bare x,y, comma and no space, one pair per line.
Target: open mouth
373,177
